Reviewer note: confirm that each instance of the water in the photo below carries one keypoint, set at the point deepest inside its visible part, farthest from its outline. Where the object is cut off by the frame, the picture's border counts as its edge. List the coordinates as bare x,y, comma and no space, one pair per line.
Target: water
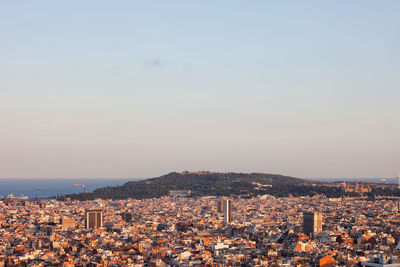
371,180
52,187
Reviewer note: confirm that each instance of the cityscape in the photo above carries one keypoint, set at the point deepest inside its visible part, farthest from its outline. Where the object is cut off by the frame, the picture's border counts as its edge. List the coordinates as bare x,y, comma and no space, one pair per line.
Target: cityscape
199,133
182,230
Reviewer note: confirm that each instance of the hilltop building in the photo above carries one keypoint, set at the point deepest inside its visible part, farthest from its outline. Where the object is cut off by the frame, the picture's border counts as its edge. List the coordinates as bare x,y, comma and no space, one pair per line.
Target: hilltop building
179,193
356,187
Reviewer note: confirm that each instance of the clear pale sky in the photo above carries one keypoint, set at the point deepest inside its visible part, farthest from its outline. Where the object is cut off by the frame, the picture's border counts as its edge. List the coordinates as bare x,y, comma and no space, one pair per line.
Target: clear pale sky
142,88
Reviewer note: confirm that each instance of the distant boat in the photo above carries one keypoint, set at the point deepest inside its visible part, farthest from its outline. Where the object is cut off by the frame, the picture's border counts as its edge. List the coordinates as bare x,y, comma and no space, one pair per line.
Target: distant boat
79,185
383,180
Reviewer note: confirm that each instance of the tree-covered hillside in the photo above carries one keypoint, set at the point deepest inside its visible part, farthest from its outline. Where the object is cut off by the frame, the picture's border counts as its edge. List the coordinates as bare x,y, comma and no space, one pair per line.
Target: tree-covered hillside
210,184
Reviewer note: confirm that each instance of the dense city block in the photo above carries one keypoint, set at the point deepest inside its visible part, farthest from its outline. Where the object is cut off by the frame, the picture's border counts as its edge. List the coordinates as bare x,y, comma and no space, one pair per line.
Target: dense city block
200,231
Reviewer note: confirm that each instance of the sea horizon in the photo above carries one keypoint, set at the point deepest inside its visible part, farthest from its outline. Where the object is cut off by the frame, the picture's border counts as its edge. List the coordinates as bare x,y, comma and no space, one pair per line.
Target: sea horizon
48,187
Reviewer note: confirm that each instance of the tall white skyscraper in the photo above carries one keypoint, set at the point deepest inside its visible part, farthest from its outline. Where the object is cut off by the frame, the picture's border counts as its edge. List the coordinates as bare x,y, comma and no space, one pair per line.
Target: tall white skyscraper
227,207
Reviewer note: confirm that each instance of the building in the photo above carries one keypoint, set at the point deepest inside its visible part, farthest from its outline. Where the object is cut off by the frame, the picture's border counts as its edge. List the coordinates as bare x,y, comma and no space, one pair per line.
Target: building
227,208
382,261
356,187
126,216
220,205
68,223
312,223
327,261
93,218
179,193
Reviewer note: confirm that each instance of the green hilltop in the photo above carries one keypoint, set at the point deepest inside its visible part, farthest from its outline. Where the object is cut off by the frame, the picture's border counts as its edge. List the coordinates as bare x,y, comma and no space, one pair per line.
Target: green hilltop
211,184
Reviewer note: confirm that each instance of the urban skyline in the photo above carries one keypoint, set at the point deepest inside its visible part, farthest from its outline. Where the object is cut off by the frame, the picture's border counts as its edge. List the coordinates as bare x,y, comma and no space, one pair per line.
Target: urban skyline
199,133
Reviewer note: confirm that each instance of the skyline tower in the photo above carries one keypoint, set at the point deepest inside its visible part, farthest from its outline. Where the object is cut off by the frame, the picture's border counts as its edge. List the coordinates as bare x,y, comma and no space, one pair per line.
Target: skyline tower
220,204
93,218
227,208
312,223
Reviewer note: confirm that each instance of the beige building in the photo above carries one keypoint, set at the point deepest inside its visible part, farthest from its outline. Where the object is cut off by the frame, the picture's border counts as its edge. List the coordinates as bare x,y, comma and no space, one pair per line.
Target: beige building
93,218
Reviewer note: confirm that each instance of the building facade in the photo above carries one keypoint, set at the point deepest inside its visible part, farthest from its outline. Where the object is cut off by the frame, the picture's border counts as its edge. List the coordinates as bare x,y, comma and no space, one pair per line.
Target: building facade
312,223
93,218
227,208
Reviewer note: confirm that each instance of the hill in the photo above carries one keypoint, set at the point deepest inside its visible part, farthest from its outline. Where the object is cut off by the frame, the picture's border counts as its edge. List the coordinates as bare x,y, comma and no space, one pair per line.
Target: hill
210,184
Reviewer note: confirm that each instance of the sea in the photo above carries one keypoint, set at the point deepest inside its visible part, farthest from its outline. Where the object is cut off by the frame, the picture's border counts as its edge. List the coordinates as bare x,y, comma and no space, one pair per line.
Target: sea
51,187
368,180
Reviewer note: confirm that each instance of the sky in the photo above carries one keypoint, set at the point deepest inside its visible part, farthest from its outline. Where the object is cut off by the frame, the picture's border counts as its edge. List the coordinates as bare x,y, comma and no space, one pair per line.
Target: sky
124,89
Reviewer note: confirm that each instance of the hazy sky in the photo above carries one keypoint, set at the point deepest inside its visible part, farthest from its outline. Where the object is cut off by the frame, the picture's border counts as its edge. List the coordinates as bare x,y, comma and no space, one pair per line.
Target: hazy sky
142,88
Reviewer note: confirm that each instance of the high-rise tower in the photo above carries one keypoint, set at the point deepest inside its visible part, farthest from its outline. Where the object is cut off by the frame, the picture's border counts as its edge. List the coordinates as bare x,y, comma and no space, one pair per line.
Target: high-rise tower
220,204
227,208
312,223
93,218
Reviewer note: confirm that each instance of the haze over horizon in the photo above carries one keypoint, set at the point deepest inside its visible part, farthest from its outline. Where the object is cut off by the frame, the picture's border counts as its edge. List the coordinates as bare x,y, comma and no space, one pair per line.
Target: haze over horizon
99,89
132,178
